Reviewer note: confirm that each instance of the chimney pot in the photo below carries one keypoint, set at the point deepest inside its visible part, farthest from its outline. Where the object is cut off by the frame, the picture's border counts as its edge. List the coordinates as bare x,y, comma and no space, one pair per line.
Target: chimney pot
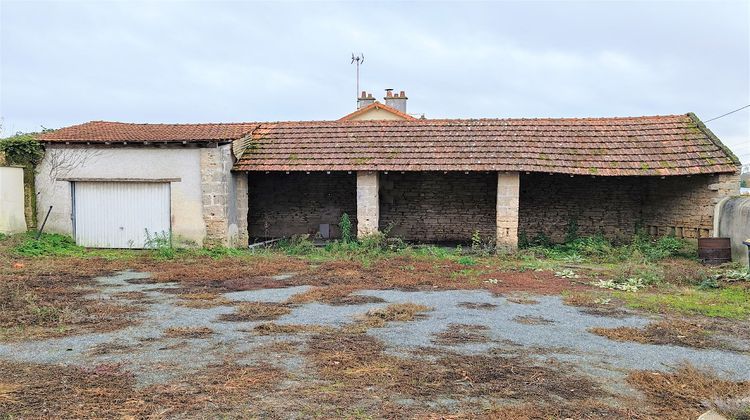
395,101
365,100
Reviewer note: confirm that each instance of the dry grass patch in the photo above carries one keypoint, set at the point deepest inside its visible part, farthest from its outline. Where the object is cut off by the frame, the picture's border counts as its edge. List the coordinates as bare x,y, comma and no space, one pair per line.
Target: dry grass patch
532,320
106,391
522,300
376,318
256,311
673,332
138,297
54,306
479,306
270,328
687,392
594,303
359,361
188,332
461,334
337,295
7,393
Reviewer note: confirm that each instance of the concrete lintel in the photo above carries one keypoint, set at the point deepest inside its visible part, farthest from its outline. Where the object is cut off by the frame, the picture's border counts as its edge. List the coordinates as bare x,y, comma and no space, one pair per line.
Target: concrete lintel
508,193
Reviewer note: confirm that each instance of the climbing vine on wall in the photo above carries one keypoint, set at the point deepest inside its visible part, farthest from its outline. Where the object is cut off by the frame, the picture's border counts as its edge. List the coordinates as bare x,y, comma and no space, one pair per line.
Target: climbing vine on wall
24,150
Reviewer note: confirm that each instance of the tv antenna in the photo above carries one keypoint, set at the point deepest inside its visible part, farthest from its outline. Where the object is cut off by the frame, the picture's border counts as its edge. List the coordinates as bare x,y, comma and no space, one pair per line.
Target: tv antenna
358,59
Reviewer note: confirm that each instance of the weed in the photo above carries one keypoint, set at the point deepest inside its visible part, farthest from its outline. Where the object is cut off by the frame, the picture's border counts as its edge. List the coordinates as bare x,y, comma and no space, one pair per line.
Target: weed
161,242
632,284
567,273
346,228
49,244
466,260
476,241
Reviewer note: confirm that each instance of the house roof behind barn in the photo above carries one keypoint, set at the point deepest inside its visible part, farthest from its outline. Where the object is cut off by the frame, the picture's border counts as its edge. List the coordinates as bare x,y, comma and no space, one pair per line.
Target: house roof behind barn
106,131
653,145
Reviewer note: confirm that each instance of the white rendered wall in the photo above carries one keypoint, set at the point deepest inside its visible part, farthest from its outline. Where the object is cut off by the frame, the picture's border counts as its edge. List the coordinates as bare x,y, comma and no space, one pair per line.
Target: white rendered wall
122,163
12,219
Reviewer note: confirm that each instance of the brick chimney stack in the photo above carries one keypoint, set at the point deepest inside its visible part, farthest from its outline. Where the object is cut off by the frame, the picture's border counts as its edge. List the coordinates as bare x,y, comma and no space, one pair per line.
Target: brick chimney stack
365,99
396,101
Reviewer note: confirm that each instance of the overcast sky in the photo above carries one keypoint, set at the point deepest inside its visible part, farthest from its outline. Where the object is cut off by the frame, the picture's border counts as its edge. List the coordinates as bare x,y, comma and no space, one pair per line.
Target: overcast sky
68,62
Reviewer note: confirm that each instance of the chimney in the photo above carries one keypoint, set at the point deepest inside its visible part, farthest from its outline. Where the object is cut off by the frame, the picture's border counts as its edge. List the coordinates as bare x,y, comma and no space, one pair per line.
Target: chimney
396,100
365,99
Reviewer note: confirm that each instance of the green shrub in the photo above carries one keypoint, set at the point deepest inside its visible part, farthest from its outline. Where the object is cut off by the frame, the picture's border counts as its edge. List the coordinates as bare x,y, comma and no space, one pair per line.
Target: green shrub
49,244
22,149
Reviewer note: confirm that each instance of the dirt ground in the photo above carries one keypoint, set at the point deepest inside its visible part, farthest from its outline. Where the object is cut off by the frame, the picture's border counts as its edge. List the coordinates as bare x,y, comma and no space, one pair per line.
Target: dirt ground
279,337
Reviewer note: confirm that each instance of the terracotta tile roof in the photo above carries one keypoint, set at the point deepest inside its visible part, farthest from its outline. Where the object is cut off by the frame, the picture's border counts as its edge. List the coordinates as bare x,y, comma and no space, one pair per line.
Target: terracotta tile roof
655,145
376,105
105,131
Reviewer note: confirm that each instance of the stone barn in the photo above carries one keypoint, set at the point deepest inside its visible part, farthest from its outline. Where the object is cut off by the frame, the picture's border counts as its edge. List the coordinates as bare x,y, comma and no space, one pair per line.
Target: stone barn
423,180
443,180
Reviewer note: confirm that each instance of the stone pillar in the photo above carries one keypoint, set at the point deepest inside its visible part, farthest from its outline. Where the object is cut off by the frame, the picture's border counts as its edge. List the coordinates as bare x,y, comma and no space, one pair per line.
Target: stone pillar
508,186
216,164
368,203
242,202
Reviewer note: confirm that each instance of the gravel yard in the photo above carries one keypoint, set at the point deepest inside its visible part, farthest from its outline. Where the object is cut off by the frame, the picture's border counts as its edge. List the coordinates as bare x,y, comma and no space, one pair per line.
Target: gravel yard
172,341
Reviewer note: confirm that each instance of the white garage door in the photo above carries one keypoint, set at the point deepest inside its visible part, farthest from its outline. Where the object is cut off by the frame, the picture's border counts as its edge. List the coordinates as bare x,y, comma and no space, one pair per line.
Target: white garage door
120,214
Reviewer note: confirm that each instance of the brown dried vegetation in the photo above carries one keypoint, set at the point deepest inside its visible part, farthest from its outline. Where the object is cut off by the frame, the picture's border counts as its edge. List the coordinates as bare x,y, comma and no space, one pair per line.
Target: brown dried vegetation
376,318
685,393
359,361
256,311
672,332
461,334
106,391
270,328
188,332
532,320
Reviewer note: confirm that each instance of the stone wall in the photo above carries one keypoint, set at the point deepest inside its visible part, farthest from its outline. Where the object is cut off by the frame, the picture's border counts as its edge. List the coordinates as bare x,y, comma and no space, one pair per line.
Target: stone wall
436,206
617,206
684,206
297,203
216,164
607,205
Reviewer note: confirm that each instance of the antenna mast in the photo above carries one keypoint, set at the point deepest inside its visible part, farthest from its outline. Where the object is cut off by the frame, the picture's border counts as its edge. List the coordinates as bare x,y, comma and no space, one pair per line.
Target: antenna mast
358,59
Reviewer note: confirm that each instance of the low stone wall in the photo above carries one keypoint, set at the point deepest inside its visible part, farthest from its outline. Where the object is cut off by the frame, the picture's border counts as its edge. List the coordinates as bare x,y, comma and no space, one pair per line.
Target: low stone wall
297,203
436,206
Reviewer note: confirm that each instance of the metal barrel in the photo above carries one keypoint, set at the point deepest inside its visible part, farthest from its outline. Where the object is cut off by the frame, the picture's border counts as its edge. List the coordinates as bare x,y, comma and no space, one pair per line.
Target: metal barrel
714,251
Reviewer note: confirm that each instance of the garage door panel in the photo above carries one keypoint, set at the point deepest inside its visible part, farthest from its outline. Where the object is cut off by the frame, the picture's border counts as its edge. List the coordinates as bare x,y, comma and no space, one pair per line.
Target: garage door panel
118,214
